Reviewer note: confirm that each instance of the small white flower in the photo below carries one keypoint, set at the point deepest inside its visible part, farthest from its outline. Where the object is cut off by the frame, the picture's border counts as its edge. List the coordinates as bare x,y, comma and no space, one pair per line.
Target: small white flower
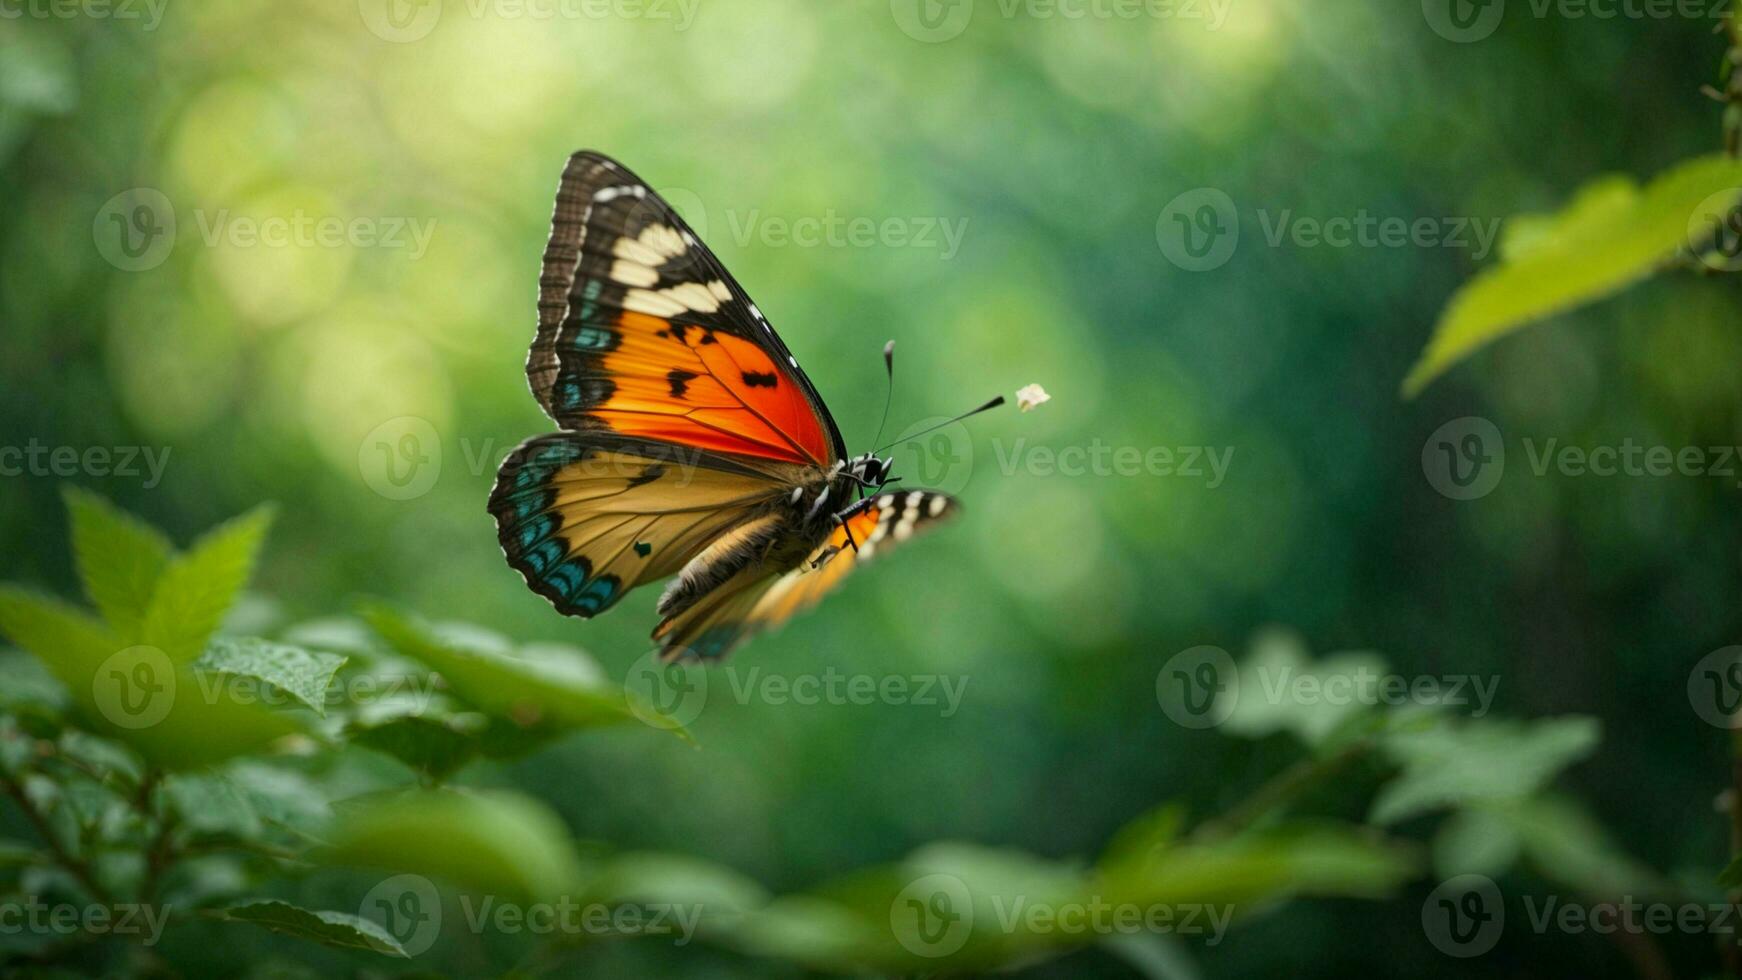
1029,396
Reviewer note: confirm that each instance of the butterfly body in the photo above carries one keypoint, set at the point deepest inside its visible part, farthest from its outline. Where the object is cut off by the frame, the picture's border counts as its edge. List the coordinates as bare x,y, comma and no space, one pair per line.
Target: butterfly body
692,445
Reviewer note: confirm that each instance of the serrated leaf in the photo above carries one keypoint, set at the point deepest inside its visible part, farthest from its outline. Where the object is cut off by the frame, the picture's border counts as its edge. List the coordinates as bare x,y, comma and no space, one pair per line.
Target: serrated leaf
1610,237
303,674
495,843
197,588
119,559
1281,689
340,929
166,715
1478,762
544,694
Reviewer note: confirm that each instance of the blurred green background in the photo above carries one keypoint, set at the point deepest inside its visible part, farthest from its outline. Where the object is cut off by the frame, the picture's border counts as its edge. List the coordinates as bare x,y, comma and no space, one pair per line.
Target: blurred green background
1055,144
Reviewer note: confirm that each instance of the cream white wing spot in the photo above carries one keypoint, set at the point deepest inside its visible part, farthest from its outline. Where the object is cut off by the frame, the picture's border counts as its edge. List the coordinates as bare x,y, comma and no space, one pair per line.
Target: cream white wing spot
631,273
662,240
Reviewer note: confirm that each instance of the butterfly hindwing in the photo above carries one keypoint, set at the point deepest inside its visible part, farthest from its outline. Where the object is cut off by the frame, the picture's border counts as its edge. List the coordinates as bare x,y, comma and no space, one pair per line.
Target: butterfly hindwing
755,599
644,333
585,517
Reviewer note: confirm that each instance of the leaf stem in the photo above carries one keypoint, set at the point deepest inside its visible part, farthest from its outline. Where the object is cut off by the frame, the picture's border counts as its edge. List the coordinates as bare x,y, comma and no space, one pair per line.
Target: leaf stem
74,865
1284,788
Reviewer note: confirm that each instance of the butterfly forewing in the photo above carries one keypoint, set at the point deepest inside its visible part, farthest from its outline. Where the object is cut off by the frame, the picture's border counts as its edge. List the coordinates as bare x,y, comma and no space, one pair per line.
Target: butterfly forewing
642,332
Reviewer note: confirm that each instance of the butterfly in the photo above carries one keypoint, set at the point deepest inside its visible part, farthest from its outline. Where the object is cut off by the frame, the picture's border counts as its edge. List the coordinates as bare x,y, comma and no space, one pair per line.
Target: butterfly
692,445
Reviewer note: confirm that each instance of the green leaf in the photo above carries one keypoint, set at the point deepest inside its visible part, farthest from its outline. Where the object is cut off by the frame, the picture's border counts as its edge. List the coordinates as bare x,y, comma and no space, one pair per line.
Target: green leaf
1145,838
995,909
1612,235
133,693
1479,762
495,843
1282,690
427,734
211,804
119,559
302,674
1731,876
198,587
540,691
339,929
25,684
1475,841
1566,844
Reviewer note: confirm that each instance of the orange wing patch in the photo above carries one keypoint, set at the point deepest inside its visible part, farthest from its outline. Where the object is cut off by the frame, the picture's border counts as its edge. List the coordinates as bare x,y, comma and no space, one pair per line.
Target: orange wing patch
699,387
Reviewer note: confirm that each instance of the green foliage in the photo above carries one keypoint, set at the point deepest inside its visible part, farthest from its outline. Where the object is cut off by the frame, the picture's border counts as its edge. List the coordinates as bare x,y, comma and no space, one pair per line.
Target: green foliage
198,587
497,844
338,929
120,559
1611,236
213,811
303,674
506,701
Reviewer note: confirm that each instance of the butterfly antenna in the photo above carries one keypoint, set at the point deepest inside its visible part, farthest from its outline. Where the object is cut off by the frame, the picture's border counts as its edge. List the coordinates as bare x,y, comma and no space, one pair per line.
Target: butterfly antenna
994,403
889,390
